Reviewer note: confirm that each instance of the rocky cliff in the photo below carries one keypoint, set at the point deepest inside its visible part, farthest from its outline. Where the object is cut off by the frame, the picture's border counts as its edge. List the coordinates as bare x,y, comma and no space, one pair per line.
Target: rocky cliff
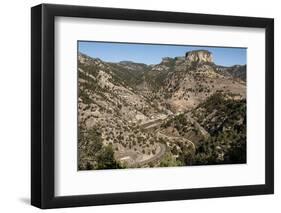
199,56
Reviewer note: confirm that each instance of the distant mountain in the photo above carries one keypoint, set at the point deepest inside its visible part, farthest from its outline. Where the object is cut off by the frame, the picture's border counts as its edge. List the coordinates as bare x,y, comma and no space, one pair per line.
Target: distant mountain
236,71
135,107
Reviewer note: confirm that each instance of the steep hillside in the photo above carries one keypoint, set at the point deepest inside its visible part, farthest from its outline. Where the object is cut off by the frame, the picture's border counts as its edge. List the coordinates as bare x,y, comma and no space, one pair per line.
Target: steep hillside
236,71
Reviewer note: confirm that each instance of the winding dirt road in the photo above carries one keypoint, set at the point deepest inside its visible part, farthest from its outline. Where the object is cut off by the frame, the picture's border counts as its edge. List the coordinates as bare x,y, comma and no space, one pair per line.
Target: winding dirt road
163,147
156,157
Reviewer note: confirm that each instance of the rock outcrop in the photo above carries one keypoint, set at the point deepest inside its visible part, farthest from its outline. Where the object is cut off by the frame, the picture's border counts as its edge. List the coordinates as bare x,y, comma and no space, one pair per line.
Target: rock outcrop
199,56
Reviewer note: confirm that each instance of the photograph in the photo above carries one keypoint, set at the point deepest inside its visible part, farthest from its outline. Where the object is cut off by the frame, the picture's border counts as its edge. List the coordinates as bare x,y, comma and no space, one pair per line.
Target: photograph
129,104
160,105
134,105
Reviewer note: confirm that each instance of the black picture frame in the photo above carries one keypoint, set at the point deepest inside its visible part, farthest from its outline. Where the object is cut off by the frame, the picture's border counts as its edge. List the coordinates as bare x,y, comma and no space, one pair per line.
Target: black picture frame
43,105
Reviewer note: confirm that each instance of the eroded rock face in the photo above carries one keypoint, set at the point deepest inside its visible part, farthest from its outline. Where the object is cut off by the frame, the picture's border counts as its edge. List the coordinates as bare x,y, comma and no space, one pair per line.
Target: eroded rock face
199,56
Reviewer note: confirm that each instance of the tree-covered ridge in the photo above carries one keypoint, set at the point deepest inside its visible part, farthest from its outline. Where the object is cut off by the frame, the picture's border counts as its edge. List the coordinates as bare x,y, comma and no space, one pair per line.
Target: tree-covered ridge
224,120
92,153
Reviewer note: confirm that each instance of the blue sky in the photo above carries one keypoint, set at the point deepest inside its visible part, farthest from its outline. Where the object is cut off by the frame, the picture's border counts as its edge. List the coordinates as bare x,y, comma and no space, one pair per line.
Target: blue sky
153,53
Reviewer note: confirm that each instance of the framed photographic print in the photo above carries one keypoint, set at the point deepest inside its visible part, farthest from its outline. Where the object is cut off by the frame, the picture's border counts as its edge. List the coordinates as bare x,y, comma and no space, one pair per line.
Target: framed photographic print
139,106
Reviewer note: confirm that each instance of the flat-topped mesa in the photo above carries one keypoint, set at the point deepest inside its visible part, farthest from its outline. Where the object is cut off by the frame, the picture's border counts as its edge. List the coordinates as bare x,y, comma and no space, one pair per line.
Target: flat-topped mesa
199,56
